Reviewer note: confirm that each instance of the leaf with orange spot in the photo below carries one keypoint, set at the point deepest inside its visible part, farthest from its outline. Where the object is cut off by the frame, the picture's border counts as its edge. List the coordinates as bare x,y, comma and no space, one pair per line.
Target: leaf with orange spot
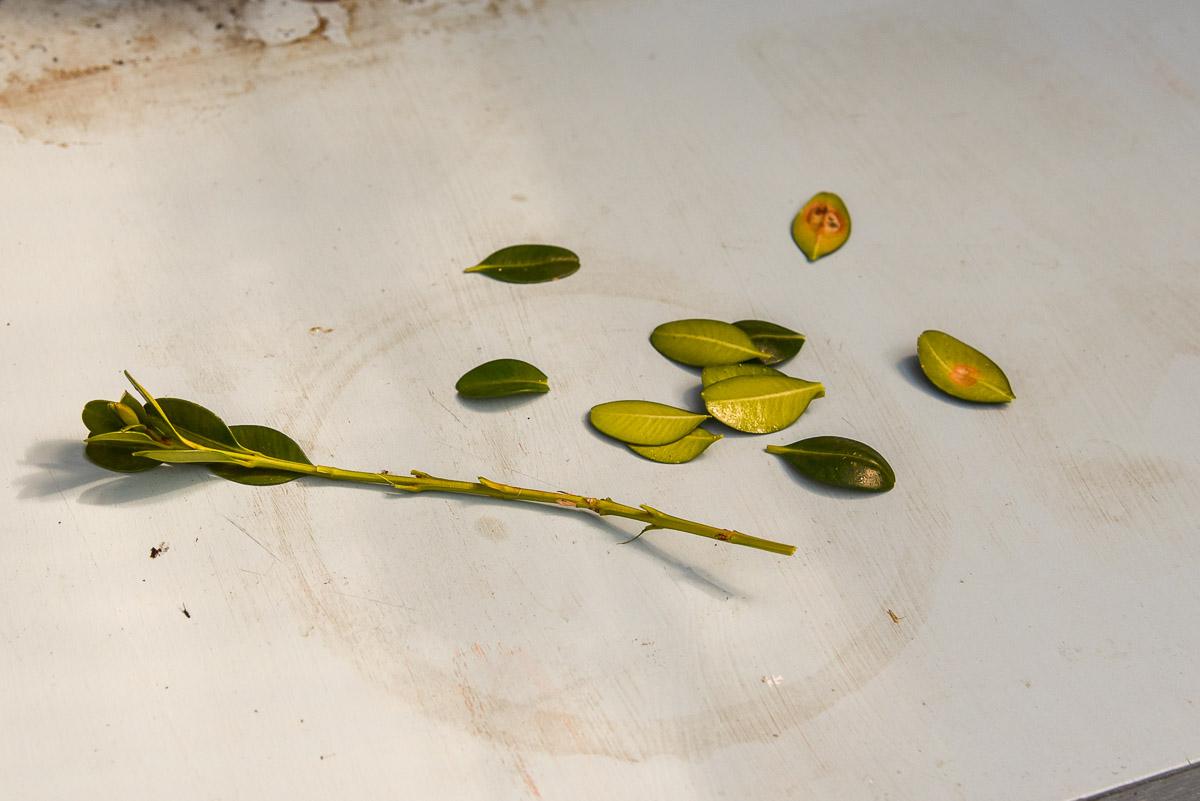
959,370
822,226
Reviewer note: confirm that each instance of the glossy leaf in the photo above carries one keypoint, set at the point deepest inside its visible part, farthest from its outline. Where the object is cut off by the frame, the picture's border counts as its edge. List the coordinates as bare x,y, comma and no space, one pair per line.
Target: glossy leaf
189,456
959,370
760,404
822,226
839,462
644,422
711,375
703,343
681,450
117,459
268,442
528,264
100,418
779,343
501,378
136,406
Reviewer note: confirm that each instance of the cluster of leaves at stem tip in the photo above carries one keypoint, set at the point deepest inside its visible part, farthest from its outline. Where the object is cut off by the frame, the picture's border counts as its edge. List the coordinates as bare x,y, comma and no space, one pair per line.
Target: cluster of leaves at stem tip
131,436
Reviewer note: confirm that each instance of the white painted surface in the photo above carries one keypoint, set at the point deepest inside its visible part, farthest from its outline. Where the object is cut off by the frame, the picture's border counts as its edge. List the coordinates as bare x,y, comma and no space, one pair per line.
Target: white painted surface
1024,177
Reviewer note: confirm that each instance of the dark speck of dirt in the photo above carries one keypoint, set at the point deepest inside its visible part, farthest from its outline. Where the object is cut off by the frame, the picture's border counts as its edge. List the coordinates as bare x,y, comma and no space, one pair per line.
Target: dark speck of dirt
185,611
158,550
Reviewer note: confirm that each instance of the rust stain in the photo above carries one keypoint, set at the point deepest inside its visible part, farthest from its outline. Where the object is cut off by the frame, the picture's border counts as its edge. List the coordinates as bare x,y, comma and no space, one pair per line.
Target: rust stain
85,67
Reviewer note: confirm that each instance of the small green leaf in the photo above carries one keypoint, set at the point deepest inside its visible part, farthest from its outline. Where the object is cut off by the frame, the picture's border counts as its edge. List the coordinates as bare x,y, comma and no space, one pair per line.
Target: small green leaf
703,343
135,404
959,370
190,456
822,226
638,422
268,442
839,462
681,450
778,342
197,423
760,404
528,264
129,440
117,459
501,378
100,418
711,375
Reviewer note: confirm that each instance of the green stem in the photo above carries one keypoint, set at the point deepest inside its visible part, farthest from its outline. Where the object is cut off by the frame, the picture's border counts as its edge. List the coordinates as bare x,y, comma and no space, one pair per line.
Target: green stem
486,488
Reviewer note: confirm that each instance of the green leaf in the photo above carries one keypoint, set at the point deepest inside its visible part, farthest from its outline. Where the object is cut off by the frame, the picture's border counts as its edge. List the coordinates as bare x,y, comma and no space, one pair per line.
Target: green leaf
959,370
839,462
136,405
711,375
167,428
268,442
501,378
130,440
99,417
117,459
681,450
760,404
190,456
644,422
778,342
196,423
822,226
703,343
528,264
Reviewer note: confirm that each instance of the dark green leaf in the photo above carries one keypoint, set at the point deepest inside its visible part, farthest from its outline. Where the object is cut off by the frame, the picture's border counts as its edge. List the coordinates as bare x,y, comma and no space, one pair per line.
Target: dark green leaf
779,343
839,462
120,460
501,378
268,442
528,264
99,417
196,423
679,451
701,343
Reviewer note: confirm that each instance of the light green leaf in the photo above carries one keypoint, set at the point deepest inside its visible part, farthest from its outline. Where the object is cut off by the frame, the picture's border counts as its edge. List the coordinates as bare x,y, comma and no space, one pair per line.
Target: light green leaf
702,343
268,442
136,405
528,264
778,342
117,459
99,417
681,450
189,456
130,440
760,404
501,378
644,422
839,462
822,226
959,370
711,375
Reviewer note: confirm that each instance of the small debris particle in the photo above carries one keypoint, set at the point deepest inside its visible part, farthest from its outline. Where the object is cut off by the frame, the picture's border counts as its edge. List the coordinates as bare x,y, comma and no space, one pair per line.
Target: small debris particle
895,618
320,329
772,681
158,550
185,611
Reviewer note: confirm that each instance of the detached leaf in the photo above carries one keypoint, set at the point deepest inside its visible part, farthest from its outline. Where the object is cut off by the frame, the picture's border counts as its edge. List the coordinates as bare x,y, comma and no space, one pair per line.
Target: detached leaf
679,451
839,462
501,378
760,404
100,418
117,459
959,370
528,264
822,226
711,375
268,442
704,343
779,343
638,422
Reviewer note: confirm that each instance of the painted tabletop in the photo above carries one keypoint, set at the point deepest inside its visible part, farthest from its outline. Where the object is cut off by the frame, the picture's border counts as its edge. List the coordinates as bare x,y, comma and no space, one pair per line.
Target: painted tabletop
267,208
